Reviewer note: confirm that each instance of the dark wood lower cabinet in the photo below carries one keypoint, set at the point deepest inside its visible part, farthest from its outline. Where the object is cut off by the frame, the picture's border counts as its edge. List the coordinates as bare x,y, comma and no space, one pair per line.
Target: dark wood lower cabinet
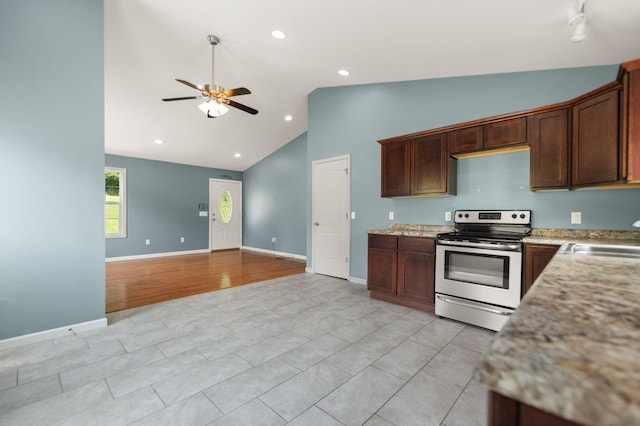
536,258
505,411
402,270
382,264
416,269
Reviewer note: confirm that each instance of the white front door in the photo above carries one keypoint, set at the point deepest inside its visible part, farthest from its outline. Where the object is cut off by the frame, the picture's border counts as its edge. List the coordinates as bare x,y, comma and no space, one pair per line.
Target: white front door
225,224
330,216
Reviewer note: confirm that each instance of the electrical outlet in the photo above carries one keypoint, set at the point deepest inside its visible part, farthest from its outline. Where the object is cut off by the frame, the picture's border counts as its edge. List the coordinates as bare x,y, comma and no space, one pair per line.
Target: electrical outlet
391,215
274,239
576,218
447,216
353,215
147,241
182,239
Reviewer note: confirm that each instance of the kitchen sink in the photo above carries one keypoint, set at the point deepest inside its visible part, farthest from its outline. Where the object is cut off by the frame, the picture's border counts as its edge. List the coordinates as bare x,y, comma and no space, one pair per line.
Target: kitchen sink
604,250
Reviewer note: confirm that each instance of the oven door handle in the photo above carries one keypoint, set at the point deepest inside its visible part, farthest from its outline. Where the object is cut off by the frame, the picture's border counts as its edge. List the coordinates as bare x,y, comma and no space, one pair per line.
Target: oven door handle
473,306
505,247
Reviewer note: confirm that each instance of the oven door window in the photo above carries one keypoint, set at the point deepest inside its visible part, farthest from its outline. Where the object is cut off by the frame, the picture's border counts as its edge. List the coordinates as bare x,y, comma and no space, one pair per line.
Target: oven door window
484,269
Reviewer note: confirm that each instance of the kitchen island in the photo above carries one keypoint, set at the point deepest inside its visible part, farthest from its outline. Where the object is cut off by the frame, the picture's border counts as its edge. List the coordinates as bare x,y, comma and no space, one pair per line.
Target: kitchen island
572,348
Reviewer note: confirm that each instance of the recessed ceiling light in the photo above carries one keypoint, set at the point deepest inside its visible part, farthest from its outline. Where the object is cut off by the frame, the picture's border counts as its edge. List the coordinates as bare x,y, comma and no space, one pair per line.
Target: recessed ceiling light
343,73
288,118
237,155
278,34
158,141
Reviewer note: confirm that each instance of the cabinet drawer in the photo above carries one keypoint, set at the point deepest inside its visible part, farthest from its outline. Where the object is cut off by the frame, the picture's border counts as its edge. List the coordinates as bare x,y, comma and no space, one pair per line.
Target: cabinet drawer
418,244
385,242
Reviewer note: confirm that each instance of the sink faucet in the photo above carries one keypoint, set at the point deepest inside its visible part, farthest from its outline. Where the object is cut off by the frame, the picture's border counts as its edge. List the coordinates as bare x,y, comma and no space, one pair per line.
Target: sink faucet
636,223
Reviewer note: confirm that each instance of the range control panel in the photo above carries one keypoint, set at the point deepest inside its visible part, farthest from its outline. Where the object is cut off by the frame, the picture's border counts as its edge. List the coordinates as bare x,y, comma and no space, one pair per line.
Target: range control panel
508,217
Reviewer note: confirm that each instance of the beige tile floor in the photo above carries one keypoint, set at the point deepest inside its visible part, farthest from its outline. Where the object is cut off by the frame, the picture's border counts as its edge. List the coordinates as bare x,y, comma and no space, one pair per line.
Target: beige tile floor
304,350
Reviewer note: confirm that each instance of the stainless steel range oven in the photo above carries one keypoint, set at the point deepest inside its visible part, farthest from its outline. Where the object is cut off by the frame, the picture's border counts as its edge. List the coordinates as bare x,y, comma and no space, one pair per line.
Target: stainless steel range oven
479,266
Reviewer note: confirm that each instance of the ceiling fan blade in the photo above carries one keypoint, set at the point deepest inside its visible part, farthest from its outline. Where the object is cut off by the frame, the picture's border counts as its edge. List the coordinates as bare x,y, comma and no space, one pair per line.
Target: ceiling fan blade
193,86
184,98
236,92
242,107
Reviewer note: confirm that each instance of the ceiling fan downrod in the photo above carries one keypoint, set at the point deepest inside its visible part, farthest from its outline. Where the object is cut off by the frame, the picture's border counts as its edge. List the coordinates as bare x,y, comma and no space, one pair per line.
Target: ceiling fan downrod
213,40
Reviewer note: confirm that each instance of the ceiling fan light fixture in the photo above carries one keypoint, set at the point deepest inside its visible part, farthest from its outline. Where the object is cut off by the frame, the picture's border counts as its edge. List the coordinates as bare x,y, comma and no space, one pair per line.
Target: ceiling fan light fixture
578,20
579,34
213,108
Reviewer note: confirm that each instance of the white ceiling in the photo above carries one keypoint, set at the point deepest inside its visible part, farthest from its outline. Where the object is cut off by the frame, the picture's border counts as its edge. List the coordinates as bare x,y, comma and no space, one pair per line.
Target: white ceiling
149,43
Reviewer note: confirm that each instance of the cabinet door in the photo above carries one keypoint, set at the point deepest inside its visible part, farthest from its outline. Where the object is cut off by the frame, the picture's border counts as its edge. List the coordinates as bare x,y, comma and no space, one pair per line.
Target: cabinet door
396,168
416,268
430,166
536,258
595,145
549,160
382,263
466,140
505,133
631,122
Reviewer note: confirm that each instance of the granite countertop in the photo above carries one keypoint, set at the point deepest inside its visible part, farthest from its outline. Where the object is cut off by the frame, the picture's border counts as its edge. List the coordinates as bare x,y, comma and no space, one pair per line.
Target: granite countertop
572,348
429,231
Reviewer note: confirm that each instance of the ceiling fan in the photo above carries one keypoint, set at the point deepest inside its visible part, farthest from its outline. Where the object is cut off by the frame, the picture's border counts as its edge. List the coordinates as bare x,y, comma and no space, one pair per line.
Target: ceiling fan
218,97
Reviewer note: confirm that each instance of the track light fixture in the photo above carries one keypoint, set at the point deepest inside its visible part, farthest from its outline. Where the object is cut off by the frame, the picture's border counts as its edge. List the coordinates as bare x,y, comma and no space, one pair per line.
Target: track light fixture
577,20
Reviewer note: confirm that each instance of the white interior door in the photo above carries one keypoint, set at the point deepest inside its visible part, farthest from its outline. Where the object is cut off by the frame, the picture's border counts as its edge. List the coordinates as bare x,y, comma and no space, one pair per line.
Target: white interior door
225,214
331,226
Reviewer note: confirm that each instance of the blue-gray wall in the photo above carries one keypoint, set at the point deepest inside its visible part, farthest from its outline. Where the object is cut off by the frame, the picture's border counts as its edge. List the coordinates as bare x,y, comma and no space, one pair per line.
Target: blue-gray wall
349,120
51,164
274,199
162,206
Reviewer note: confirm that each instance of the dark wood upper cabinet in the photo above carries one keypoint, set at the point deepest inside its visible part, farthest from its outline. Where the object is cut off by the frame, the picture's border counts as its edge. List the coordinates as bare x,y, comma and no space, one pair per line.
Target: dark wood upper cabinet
595,141
466,140
396,169
418,166
549,141
505,133
589,141
630,78
431,169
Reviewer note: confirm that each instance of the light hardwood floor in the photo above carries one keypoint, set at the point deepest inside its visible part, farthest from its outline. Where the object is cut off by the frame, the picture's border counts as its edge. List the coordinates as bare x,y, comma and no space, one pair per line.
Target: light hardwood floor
133,283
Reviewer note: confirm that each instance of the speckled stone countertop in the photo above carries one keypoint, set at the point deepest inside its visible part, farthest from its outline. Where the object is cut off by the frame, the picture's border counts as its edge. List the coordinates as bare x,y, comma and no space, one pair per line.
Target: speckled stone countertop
429,231
561,236
572,348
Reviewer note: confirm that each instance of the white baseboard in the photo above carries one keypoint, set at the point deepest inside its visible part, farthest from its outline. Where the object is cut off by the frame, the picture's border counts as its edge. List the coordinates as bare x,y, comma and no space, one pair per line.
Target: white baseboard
357,280
276,253
152,255
52,334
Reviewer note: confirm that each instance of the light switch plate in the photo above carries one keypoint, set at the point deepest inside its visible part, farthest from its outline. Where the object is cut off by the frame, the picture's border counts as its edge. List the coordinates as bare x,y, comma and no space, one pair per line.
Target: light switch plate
203,214
353,215
576,218
447,216
391,215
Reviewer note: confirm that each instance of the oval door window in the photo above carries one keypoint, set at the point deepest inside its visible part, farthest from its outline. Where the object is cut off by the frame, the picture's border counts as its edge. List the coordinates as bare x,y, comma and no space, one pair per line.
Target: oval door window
226,206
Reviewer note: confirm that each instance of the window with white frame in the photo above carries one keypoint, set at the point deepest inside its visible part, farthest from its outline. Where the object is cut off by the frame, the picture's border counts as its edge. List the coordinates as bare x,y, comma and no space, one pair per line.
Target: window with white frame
115,202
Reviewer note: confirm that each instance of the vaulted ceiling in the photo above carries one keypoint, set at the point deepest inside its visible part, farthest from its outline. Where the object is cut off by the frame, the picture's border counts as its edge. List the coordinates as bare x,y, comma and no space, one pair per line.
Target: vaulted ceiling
150,43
